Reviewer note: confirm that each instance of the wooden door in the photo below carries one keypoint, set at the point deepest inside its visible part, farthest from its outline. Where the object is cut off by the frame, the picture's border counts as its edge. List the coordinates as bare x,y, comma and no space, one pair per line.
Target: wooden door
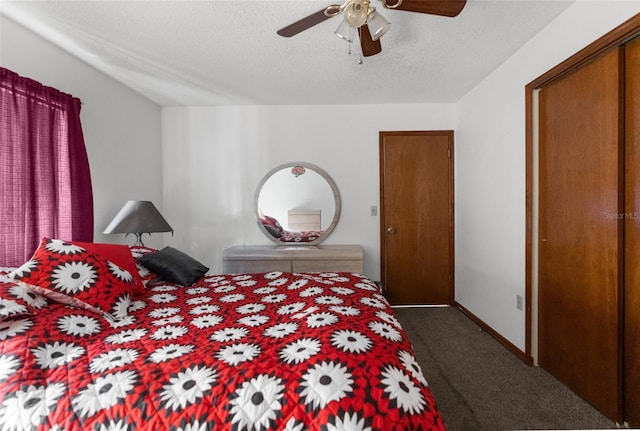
580,233
416,217
632,234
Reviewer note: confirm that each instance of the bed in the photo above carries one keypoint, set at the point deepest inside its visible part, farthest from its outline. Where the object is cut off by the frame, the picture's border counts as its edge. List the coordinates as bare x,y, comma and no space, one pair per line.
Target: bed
86,343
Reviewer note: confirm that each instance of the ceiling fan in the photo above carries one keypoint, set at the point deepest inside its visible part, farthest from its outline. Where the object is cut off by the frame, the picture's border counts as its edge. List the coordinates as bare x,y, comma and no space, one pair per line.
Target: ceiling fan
360,15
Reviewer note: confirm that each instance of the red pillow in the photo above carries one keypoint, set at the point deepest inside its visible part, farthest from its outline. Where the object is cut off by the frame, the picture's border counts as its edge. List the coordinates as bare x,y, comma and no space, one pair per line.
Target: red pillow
68,273
119,254
145,273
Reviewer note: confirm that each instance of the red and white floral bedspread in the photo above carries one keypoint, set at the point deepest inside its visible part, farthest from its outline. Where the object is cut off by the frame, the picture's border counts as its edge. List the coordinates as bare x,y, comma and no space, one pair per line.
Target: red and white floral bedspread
245,352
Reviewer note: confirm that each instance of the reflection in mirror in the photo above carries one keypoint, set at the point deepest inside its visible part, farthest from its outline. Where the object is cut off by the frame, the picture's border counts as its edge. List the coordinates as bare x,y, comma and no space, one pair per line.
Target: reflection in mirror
297,204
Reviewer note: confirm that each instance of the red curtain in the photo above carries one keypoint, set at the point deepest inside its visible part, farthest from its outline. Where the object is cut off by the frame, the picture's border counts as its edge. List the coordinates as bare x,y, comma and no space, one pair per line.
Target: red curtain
45,183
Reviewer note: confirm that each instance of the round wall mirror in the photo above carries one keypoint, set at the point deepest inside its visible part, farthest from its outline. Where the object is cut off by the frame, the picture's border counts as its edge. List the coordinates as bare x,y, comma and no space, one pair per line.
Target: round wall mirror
297,203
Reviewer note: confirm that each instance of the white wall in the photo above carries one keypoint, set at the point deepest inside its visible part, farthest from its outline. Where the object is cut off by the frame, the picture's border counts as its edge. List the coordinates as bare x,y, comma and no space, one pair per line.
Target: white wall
215,157
121,128
490,166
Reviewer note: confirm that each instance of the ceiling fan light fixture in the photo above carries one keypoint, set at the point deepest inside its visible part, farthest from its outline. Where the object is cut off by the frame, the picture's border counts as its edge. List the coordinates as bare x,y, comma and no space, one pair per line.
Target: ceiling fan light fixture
378,25
344,31
356,12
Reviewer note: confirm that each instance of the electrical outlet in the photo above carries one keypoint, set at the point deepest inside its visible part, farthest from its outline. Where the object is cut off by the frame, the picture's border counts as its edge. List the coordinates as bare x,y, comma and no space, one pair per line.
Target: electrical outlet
519,305
374,211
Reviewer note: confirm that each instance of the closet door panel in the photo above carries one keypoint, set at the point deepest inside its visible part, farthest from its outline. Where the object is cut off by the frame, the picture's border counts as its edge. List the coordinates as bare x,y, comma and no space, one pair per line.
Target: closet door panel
579,232
632,233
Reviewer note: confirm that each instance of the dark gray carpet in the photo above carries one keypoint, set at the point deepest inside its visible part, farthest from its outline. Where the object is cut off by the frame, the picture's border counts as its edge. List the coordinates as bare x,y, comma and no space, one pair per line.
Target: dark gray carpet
480,385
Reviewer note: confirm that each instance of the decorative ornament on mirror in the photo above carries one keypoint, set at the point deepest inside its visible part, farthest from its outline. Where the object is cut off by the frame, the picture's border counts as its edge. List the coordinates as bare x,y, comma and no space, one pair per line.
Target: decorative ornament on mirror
297,171
297,204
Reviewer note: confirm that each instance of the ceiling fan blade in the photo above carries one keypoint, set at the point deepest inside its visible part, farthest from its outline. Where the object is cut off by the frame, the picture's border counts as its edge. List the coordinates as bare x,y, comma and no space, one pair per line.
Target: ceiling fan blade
369,46
449,8
306,22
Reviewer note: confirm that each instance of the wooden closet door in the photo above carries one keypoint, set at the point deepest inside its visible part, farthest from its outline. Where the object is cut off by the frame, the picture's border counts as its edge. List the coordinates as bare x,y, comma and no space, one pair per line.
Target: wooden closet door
632,233
580,235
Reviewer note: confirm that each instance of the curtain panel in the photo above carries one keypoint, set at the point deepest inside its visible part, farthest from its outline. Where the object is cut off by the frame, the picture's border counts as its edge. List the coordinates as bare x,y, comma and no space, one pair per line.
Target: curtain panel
45,182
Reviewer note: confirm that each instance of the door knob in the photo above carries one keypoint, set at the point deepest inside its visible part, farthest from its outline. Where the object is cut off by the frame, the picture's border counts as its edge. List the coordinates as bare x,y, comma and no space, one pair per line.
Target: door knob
391,230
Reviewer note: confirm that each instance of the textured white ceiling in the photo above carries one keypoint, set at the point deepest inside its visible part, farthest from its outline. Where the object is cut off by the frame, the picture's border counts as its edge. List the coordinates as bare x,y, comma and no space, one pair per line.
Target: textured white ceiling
227,51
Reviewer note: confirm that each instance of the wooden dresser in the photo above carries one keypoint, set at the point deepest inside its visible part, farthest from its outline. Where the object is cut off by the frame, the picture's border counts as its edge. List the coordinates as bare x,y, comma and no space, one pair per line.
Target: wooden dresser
267,258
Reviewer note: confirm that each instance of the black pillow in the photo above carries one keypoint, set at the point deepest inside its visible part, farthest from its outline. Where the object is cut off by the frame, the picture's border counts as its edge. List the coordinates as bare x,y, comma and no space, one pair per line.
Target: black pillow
174,266
273,231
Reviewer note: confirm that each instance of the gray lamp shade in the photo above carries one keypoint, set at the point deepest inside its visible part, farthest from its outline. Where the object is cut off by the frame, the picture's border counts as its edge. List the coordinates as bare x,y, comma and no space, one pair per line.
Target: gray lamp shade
138,217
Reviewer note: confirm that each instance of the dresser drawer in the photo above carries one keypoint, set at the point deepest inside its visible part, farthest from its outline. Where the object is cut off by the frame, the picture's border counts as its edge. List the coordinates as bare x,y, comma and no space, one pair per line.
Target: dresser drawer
258,259
327,266
255,266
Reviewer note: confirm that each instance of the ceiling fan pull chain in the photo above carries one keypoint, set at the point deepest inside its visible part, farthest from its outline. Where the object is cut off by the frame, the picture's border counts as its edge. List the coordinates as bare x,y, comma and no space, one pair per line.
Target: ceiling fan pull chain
352,35
359,61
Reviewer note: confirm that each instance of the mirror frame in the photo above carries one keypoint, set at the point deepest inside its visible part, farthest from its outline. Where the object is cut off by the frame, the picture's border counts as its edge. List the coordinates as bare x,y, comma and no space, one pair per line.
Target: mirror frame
334,190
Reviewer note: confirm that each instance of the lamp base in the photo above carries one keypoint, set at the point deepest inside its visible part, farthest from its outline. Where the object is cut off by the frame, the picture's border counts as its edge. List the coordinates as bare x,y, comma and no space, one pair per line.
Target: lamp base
138,235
